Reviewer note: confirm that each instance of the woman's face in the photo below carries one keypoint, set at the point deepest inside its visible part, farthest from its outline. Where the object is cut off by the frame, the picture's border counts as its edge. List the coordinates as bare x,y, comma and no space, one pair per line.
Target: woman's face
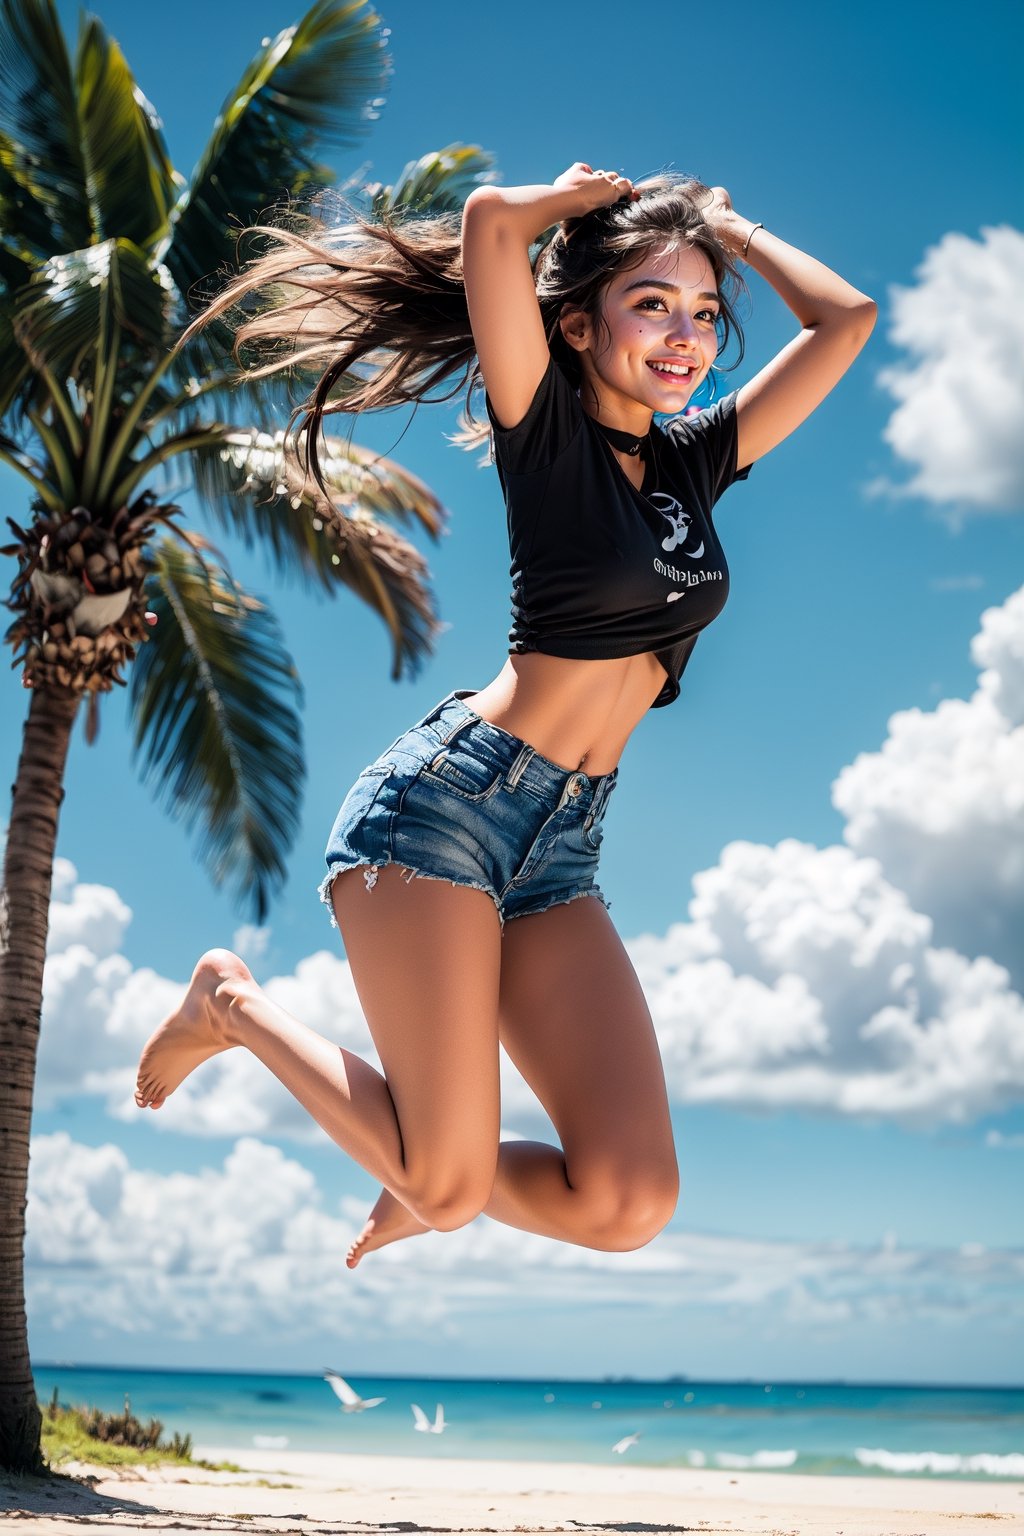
657,340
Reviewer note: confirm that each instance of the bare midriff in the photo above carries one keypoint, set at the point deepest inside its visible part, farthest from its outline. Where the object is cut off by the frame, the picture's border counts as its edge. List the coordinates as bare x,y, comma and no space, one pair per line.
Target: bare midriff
579,714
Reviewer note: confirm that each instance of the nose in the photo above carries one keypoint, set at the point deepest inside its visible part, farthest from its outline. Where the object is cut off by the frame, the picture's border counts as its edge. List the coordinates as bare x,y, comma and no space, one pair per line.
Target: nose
683,332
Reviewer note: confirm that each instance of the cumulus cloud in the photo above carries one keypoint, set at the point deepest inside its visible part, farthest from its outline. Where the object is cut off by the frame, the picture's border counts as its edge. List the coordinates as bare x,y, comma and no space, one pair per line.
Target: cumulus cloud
806,980
249,1247
98,1012
90,915
882,978
941,805
960,388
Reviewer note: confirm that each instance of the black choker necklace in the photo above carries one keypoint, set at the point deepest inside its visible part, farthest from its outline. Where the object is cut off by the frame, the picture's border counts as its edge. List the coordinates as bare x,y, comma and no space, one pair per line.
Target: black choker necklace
625,442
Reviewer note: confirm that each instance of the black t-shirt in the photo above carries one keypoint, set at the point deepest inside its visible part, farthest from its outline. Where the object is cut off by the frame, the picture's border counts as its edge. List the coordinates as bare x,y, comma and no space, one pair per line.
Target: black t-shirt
599,568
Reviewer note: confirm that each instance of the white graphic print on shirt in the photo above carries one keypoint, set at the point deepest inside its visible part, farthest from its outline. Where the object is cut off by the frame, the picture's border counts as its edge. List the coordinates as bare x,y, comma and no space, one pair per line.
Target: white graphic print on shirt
679,521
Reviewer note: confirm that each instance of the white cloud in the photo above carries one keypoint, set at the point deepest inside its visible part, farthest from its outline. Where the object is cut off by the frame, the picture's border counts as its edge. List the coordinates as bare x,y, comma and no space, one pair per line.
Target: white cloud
250,942
91,915
248,1247
97,1012
96,1008
941,805
960,391
998,647
805,980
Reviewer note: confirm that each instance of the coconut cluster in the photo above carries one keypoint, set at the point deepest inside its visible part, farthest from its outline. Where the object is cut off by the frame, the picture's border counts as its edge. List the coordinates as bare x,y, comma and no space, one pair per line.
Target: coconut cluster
79,595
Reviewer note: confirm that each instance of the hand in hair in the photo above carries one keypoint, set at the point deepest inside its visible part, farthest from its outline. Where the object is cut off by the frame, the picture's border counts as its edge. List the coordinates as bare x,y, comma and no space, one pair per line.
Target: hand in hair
596,189
722,219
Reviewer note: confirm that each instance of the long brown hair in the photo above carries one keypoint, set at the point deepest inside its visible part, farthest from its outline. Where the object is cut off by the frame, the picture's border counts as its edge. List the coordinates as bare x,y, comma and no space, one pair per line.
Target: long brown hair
375,310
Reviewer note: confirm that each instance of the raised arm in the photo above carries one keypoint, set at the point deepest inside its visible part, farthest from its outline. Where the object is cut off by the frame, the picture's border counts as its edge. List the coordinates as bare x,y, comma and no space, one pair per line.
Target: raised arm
836,321
498,226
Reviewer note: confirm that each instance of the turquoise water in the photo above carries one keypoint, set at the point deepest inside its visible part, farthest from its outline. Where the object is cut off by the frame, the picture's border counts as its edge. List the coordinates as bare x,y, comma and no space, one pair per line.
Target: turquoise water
971,1432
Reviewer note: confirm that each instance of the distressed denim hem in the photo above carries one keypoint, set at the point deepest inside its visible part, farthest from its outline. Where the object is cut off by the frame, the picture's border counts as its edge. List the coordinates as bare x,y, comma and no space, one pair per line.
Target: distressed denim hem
561,901
408,874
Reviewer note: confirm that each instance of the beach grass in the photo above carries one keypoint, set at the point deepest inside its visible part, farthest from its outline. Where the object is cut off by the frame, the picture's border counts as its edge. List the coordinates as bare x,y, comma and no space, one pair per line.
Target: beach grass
79,1434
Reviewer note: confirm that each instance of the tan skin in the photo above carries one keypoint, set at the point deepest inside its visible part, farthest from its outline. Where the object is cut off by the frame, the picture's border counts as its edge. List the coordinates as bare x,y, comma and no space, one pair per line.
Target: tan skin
557,988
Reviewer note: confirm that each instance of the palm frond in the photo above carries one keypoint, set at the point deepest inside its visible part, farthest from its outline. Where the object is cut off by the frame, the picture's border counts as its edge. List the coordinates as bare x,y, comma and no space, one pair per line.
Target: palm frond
132,184
26,228
438,182
213,697
14,365
317,82
15,271
250,483
40,145
58,314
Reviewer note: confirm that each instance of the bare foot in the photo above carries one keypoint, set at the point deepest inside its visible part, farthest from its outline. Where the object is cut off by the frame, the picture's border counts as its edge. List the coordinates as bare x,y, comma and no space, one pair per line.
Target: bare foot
388,1221
190,1035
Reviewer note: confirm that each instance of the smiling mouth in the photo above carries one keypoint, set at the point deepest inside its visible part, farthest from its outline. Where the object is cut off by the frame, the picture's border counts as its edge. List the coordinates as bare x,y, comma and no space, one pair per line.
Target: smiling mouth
680,371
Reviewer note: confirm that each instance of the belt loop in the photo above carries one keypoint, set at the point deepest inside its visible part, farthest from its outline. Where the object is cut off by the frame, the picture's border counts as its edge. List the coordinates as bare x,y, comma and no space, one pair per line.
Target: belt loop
460,725
518,768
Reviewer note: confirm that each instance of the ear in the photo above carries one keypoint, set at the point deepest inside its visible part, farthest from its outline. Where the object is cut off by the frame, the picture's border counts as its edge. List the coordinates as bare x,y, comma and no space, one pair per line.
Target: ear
577,328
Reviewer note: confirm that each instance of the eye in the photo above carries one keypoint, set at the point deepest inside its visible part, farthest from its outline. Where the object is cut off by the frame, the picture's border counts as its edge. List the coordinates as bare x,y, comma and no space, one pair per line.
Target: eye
643,304
710,315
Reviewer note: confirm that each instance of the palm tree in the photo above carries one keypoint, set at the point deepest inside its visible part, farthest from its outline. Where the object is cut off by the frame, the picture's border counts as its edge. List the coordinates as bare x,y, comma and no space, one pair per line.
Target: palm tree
101,242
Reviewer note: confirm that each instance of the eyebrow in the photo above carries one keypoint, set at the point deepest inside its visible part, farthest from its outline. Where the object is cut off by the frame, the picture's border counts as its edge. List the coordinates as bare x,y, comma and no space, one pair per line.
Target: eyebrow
657,282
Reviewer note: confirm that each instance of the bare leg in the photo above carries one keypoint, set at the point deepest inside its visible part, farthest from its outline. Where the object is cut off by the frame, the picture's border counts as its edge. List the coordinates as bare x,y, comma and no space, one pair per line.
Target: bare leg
429,1129
574,1020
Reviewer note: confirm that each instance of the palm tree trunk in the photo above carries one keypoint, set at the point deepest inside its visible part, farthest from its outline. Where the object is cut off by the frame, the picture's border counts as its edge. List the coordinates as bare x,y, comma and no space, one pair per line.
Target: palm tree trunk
24,919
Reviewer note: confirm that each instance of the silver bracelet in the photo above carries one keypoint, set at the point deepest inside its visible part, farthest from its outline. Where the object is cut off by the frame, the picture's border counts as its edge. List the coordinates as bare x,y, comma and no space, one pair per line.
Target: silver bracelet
750,237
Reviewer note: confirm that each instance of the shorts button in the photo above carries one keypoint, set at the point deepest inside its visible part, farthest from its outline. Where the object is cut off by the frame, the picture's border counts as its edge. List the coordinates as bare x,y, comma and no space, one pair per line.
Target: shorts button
575,786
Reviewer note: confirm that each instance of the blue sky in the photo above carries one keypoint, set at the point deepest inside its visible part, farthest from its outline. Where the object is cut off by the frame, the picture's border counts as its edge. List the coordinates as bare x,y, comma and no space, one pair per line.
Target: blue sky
851,1199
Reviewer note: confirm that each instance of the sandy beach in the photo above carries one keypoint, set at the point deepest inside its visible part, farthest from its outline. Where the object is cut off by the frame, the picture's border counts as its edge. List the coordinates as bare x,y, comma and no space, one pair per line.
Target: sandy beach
321,1494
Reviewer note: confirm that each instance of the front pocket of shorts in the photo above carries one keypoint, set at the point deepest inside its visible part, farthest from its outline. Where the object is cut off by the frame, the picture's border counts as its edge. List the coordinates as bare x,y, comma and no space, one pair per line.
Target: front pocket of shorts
461,774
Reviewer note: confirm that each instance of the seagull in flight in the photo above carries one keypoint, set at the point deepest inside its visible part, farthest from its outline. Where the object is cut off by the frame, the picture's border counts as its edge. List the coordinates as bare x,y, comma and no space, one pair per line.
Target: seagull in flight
351,1402
623,1445
421,1422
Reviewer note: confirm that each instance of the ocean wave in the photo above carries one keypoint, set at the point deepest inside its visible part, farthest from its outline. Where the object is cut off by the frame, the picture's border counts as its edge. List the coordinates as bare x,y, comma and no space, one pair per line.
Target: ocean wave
943,1462
270,1442
763,1460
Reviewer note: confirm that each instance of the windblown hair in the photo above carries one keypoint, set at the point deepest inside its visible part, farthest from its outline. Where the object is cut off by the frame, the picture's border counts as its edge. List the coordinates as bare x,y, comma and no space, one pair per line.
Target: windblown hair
376,313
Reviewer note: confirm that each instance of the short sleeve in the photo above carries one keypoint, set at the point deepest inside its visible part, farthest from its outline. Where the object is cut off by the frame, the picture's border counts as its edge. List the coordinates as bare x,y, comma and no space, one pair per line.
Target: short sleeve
711,437
551,422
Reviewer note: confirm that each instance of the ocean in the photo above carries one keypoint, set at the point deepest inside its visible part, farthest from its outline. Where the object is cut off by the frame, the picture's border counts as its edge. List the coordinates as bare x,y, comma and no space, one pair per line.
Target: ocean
972,1432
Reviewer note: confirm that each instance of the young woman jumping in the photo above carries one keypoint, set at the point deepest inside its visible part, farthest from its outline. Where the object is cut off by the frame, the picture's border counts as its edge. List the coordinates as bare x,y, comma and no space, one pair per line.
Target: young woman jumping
460,859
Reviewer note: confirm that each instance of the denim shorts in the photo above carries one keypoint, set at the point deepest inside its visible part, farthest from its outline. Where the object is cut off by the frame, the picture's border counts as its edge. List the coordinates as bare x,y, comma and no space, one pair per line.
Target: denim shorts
459,799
